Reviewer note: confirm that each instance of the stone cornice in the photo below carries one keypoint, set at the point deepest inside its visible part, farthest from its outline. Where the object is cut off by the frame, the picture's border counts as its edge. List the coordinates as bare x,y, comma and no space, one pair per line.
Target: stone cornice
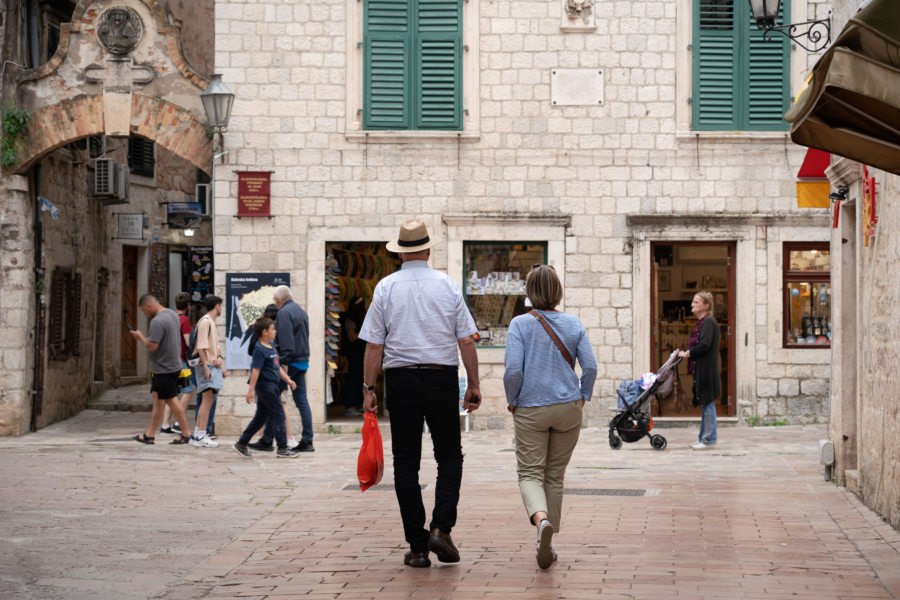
719,221
510,218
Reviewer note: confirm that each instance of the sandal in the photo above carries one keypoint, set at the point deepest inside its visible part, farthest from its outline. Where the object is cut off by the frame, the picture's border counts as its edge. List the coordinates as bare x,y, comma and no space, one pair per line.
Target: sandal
183,439
142,438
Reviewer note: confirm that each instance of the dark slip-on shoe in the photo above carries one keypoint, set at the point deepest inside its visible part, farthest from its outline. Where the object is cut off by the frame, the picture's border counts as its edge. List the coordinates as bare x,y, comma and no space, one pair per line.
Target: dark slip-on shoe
418,560
442,546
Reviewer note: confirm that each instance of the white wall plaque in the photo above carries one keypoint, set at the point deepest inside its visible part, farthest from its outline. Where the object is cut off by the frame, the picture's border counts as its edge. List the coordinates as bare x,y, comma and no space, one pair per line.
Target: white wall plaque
131,226
576,87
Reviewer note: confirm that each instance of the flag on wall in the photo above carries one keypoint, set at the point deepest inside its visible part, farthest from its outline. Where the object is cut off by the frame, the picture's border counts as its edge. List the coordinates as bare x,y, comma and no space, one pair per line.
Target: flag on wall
812,185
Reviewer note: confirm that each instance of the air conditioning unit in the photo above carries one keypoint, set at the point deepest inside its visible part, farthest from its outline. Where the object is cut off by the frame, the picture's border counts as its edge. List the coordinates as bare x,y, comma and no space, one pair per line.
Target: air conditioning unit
202,197
109,181
101,182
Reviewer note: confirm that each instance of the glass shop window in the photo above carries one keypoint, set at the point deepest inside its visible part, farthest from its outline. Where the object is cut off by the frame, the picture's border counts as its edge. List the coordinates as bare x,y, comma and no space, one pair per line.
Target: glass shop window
494,275
807,295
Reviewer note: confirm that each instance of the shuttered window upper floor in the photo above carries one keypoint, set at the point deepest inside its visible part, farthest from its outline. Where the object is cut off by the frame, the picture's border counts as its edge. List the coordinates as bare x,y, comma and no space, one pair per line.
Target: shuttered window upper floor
414,71
740,81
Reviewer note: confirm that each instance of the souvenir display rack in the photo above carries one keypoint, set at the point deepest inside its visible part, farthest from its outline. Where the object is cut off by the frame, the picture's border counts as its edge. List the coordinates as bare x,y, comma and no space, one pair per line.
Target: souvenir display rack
494,274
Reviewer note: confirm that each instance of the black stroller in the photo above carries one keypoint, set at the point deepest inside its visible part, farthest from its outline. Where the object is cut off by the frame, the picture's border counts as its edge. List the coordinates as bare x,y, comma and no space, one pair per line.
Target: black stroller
634,421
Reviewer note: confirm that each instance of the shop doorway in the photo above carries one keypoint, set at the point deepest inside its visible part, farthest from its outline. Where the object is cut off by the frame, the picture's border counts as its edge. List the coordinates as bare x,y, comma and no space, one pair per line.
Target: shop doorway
177,281
128,345
679,270
352,270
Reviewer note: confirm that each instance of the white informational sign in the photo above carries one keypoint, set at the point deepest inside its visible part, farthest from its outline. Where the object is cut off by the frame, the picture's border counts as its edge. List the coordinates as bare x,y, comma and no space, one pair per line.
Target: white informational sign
131,226
246,297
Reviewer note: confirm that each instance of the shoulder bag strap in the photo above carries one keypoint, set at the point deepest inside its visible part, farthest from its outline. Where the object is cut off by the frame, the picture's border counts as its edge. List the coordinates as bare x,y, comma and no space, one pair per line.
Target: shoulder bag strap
555,338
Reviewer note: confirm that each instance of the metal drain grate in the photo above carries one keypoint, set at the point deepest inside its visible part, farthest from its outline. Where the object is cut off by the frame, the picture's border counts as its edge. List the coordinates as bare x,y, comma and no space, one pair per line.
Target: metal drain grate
600,492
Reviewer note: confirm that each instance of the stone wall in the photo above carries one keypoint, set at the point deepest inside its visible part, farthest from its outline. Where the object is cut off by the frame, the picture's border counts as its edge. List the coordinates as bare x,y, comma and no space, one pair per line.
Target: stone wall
293,68
864,406
75,241
878,404
16,300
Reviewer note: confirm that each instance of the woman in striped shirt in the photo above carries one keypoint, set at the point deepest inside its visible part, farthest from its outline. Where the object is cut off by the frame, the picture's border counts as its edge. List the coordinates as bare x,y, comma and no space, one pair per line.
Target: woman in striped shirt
546,396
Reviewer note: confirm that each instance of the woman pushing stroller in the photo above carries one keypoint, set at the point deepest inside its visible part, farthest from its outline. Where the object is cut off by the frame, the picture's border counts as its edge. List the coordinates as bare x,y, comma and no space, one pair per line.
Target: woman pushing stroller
703,364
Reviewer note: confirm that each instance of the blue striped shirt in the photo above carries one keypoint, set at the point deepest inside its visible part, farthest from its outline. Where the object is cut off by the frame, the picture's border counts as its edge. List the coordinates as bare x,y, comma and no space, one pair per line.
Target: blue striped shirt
536,372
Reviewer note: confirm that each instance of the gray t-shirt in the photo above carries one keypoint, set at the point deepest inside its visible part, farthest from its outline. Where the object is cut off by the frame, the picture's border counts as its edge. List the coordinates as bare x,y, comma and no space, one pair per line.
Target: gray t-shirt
165,329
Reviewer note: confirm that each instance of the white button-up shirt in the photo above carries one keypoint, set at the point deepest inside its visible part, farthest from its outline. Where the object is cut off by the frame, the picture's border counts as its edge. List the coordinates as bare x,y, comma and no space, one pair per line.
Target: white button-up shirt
417,314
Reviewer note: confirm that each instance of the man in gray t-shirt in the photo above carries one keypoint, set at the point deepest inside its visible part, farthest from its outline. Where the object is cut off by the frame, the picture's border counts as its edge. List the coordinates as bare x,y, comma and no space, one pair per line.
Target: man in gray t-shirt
164,343
165,330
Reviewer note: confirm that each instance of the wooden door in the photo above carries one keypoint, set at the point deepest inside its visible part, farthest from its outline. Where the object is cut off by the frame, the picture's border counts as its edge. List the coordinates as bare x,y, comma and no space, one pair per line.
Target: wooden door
730,380
128,350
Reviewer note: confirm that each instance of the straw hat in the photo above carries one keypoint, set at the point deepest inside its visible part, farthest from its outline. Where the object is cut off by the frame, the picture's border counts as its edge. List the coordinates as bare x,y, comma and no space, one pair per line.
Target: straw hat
413,238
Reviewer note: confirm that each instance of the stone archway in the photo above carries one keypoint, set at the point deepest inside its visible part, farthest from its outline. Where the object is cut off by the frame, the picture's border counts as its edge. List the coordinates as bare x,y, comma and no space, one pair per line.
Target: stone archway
170,126
109,76
93,86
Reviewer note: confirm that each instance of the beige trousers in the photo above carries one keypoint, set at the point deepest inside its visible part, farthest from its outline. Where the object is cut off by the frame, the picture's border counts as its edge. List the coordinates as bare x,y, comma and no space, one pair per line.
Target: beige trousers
545,439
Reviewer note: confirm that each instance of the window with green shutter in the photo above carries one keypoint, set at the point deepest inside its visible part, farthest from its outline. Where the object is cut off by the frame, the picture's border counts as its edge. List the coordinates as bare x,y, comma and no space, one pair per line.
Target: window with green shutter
412,75
740,81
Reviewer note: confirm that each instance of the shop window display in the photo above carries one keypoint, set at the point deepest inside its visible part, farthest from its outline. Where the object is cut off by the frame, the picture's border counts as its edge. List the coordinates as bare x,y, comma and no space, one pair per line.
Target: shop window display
495,284
807,295
352,270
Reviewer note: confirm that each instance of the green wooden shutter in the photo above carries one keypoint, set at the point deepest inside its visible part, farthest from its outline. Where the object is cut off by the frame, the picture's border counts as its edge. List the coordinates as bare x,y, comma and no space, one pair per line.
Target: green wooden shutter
412,71
386,69
739,81
767,92
438,73
714,49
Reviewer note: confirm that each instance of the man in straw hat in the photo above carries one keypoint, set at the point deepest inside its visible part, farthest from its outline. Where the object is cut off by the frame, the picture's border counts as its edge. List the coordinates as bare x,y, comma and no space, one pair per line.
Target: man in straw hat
415,323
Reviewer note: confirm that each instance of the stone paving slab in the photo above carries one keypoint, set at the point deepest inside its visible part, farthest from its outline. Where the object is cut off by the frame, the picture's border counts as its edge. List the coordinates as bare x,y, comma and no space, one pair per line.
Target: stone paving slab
87,513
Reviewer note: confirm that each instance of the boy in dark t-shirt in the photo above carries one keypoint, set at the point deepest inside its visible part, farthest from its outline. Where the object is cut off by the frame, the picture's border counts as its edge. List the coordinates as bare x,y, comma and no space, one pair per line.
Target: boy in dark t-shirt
264,377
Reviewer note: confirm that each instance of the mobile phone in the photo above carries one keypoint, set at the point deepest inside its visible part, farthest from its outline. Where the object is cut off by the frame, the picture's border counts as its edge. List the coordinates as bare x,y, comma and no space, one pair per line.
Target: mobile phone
130,328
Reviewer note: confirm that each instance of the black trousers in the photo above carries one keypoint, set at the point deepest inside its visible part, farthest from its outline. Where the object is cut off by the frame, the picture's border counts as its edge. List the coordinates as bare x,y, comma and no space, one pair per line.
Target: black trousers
269,412
413,397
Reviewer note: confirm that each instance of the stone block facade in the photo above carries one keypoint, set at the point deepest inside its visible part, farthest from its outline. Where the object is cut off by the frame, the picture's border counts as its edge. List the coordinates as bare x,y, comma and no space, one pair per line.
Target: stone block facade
601,182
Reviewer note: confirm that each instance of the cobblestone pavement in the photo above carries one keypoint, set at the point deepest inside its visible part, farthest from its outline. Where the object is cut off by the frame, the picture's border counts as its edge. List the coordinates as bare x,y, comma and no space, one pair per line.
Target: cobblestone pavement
87,513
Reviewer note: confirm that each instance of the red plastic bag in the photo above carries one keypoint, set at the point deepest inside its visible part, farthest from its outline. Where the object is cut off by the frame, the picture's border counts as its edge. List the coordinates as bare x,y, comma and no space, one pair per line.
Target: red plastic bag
370,466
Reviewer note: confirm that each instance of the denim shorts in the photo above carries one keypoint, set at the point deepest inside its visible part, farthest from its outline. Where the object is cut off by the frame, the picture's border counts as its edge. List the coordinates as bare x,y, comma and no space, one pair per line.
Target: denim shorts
215,382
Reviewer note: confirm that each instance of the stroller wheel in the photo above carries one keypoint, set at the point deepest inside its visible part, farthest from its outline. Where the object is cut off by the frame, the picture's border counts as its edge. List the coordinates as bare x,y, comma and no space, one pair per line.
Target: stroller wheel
658,442
615,442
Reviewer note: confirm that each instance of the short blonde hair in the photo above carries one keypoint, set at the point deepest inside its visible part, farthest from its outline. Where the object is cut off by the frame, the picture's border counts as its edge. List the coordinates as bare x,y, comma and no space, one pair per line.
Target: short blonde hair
708,298
543,287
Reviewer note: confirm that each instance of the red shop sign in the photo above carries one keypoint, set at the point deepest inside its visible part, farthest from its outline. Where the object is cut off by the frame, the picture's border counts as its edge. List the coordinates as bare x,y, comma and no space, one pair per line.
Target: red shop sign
254,193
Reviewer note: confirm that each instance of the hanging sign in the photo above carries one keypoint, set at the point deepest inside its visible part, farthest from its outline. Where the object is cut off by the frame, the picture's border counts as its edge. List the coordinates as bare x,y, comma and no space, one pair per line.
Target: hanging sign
183,215
201,272
131,226
254,193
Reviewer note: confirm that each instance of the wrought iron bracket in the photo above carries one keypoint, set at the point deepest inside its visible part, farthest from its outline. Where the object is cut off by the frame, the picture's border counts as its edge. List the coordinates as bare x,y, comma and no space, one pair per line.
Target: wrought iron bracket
817,33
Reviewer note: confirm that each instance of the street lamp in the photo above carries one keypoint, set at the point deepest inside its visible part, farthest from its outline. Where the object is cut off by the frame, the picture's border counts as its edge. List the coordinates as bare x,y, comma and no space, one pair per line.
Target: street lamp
217,100
818,33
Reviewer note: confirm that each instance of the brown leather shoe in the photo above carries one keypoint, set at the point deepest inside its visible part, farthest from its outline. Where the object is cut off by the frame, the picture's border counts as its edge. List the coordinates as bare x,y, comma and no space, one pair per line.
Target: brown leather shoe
418,560
442,546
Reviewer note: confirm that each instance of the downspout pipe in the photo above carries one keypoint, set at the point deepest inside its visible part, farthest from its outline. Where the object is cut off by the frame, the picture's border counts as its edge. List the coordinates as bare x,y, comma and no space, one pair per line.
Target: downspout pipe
34,56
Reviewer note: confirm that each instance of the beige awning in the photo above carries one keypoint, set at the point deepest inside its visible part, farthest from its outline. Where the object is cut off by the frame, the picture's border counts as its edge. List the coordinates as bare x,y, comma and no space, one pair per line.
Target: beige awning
850,104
